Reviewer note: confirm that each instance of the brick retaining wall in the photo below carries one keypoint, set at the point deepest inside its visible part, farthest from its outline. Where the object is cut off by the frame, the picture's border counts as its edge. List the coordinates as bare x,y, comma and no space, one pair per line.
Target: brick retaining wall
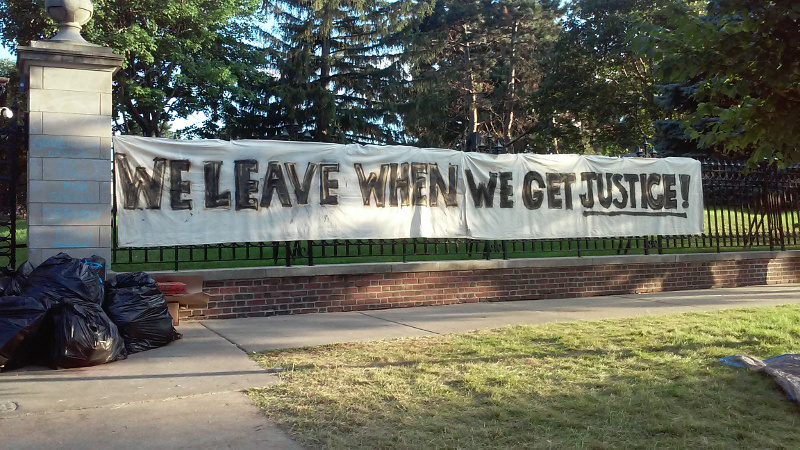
353,287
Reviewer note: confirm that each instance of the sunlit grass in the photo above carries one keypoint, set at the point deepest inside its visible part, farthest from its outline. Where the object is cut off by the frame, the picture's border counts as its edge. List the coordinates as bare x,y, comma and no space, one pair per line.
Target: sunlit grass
732,221
634,383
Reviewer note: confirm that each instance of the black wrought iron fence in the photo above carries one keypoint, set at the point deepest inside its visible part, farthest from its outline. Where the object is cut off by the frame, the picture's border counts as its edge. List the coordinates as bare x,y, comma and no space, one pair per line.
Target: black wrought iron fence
13,138
758,210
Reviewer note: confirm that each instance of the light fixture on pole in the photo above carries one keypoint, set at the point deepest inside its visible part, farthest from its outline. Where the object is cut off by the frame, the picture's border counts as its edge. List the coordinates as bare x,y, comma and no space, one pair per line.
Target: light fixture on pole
5,113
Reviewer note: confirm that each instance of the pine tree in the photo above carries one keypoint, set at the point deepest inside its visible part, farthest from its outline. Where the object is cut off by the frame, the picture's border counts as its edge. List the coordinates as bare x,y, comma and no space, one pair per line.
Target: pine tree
671,137
337,65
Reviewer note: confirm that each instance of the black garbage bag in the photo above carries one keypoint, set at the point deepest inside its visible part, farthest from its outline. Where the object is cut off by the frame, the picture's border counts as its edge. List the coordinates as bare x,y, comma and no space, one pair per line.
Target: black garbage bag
99,264
14,280
83,336
136,305
5,278
62,278
20,319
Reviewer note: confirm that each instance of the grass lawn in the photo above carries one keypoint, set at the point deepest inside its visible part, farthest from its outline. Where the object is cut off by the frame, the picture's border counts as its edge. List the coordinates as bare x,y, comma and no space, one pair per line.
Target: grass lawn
652,382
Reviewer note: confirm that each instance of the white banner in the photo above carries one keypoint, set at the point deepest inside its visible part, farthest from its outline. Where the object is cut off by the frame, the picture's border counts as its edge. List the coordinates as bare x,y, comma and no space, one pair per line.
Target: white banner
173,192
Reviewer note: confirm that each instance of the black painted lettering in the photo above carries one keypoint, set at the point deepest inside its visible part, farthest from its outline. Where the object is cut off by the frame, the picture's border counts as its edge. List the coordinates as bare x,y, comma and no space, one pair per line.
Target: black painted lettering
437,183
301,190
654,202
215,199
177,186
685,183
670,195
244,185
506,190
643,186
327,184
632,179
605,190
569,180
623,200
532,199
373,185
275,182
134,182
587,200
554,183
482,193
398,182
419,172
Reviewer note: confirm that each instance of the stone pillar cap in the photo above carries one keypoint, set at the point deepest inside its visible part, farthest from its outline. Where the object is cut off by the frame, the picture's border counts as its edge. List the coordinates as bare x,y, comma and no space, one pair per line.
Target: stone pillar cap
68,55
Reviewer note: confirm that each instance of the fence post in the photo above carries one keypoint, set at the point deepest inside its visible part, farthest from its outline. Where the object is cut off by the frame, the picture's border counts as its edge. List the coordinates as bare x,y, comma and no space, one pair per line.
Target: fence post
69,162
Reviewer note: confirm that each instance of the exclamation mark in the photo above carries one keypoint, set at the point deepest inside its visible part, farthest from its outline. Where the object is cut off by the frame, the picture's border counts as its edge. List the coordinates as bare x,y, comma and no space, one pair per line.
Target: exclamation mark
685,181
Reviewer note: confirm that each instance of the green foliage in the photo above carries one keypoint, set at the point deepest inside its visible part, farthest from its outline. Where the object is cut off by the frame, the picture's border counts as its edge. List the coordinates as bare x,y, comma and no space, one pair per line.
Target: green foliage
597,92
692,77
337,65
8,69
746,61
474,65
180,56
23,22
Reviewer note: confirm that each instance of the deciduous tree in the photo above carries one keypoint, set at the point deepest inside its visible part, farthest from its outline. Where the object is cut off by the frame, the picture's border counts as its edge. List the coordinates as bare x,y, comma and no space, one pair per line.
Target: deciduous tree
598,93
479,61
180,56
745,60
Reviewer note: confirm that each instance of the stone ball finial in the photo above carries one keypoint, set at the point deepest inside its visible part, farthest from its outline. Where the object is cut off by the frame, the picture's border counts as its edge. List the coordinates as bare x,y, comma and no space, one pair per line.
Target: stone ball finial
70,15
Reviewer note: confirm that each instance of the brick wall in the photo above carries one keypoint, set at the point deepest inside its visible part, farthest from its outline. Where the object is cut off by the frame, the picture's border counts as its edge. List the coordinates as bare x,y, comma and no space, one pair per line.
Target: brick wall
268,291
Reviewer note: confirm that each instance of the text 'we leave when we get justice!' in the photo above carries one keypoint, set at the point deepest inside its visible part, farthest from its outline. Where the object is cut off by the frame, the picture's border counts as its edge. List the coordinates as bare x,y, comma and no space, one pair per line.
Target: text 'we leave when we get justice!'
258,185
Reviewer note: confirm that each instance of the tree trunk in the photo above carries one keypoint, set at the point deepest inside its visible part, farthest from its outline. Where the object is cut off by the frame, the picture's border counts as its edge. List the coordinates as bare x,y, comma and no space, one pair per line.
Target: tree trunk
323,118
472,95
508,119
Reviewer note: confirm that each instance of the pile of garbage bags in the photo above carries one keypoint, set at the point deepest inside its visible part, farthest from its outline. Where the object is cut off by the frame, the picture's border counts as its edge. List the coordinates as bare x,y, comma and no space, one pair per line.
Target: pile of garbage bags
64,314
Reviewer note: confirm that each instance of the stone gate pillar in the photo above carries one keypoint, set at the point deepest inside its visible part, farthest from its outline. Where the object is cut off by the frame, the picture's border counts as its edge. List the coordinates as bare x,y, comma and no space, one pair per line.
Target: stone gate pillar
69,149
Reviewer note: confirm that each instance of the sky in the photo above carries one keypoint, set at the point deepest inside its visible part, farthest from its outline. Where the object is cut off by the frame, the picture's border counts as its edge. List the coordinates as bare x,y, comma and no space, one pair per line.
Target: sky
4,54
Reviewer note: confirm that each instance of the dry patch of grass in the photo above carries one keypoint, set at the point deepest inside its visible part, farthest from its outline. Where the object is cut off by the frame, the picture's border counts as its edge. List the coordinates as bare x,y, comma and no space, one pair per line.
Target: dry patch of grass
645,382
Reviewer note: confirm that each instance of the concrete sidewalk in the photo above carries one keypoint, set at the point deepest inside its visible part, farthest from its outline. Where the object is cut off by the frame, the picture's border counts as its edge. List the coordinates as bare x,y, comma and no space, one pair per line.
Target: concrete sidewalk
189,393
266,333
185,395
